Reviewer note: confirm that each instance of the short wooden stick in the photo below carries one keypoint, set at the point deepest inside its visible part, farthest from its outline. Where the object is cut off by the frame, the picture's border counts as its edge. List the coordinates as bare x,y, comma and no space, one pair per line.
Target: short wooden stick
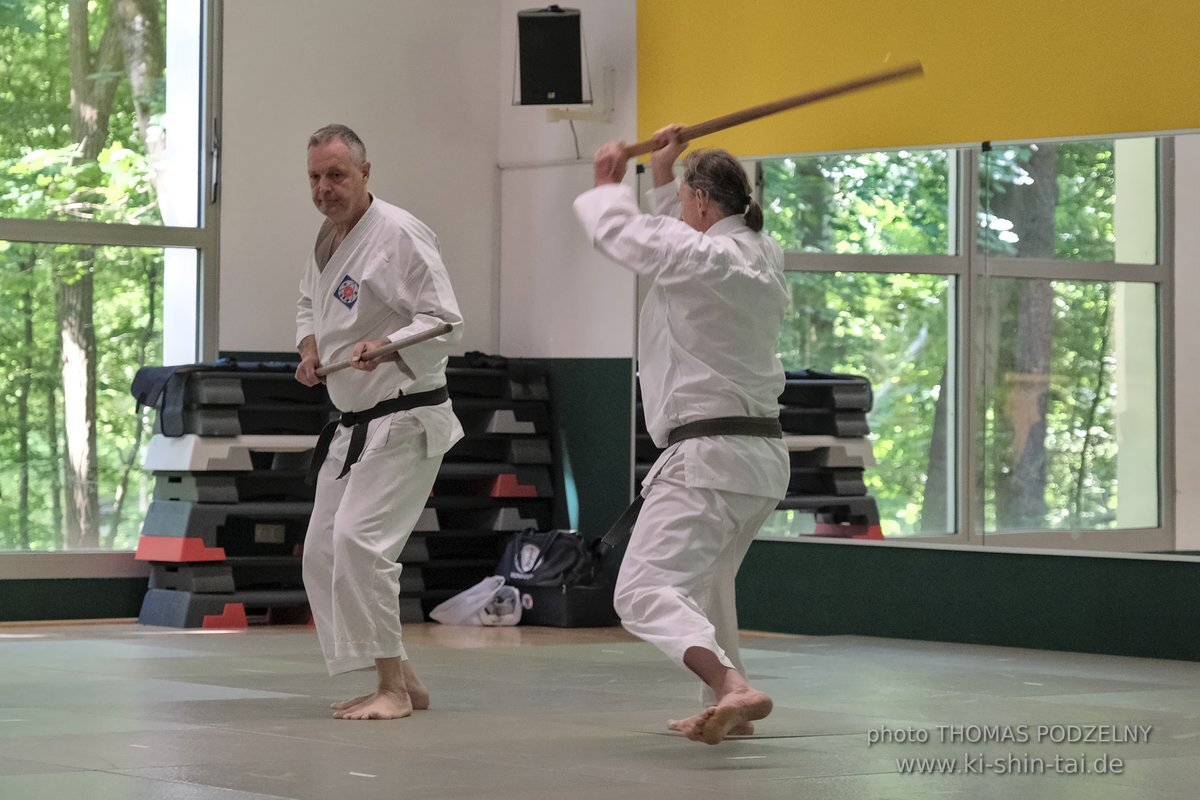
372,355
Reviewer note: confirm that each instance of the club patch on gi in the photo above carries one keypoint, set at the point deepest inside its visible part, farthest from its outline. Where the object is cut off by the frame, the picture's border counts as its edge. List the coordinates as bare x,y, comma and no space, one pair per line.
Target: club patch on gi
347,292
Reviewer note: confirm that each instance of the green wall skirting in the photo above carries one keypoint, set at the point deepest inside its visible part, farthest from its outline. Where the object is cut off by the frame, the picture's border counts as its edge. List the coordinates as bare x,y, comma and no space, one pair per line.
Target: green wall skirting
1115,606
73,598
591,402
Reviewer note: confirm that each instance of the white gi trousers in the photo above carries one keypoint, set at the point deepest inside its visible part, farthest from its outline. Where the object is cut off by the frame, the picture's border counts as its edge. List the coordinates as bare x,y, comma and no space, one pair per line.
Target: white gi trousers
676,586
358,527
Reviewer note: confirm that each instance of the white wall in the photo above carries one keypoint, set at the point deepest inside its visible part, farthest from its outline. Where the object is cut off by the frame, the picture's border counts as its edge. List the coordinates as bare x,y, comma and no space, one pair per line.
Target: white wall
417,80
428,84
557,297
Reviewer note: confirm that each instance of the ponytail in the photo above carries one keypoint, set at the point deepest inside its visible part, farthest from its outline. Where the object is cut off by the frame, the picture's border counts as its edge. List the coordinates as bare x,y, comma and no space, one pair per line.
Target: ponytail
754,217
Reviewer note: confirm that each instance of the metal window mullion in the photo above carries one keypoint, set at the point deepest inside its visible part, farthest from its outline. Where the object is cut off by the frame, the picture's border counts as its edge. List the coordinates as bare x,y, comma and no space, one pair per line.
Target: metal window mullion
1054,270
1166,337
972,323
207,316
100,234
1121,540
911,264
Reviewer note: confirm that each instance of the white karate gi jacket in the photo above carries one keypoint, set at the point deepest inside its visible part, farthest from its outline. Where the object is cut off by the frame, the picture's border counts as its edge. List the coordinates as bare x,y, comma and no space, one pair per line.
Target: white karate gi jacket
385,280
708,332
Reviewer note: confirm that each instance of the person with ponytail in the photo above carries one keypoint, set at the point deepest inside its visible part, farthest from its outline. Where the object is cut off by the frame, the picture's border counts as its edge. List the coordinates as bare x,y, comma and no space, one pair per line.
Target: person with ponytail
710,377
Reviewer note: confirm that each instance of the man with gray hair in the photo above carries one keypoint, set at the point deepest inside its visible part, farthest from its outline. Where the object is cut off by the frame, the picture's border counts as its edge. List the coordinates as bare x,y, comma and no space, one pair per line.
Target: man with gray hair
375,276
711,378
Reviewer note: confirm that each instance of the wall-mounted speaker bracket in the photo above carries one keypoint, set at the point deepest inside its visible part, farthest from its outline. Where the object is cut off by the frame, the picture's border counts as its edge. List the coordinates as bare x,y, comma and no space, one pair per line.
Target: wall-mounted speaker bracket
601,111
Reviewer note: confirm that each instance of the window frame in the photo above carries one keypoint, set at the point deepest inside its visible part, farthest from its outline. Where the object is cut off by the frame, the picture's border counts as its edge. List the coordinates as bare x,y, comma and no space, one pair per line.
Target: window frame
970,269
204,239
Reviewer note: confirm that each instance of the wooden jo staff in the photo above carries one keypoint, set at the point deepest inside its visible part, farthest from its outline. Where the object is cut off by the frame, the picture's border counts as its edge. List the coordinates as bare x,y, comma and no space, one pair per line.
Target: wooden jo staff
388,349
766,109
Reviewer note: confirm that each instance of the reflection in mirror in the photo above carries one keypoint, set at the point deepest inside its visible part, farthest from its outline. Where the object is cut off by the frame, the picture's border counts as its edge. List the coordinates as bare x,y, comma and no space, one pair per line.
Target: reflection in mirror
1059,304
894,330
1071,427
1089,201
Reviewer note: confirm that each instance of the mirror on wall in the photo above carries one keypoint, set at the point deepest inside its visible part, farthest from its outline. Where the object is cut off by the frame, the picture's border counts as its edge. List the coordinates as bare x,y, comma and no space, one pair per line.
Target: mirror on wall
1011,306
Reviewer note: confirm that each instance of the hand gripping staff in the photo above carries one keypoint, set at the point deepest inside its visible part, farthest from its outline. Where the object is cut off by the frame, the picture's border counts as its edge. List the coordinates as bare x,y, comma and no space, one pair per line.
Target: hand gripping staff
357,420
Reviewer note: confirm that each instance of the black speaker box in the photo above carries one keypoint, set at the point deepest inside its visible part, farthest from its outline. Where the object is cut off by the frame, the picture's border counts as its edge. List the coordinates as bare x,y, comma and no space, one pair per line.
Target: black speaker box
550,62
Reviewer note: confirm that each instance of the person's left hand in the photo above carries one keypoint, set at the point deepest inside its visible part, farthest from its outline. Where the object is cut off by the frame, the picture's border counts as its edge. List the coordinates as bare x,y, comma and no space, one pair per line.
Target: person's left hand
610,163
357,361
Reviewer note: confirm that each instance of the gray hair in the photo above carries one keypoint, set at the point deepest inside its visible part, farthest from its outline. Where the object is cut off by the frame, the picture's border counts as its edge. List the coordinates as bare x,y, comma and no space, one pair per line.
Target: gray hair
719,175
358,150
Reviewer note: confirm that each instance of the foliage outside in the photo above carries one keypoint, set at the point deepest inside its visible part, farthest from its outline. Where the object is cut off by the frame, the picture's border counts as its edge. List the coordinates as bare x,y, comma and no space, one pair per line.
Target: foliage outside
1049,427
891,328
77,145
1054,403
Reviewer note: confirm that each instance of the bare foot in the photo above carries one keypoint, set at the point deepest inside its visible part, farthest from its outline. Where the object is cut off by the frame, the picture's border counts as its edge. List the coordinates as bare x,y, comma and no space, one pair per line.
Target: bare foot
418,696
735,709
383,704
693,726
341,705
417,691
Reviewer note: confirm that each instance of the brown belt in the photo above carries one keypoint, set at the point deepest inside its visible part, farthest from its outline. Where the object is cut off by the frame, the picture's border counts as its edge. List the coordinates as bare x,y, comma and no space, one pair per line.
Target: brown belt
764,427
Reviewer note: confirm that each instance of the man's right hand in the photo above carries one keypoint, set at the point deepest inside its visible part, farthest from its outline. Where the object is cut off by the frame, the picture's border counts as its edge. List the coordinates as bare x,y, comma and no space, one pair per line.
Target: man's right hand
668,146
310,361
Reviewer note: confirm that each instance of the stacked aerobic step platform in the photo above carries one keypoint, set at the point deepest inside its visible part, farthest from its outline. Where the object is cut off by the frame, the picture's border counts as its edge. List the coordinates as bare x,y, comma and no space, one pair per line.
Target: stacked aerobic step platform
824,418
226,523
501,478
224,533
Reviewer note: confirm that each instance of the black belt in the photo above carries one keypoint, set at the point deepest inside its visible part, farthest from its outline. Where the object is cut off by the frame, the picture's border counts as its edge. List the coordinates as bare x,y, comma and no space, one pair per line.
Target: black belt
764,427
359,419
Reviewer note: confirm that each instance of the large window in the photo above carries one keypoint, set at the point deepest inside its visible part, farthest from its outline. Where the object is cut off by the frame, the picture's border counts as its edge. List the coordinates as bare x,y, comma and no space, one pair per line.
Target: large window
1006,304
1070,426
871,242
897,329
1071,269
106,235
876,203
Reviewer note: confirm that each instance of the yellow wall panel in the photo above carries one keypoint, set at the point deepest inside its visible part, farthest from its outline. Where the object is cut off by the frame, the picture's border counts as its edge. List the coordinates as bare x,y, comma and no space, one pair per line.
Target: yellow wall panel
1022,69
